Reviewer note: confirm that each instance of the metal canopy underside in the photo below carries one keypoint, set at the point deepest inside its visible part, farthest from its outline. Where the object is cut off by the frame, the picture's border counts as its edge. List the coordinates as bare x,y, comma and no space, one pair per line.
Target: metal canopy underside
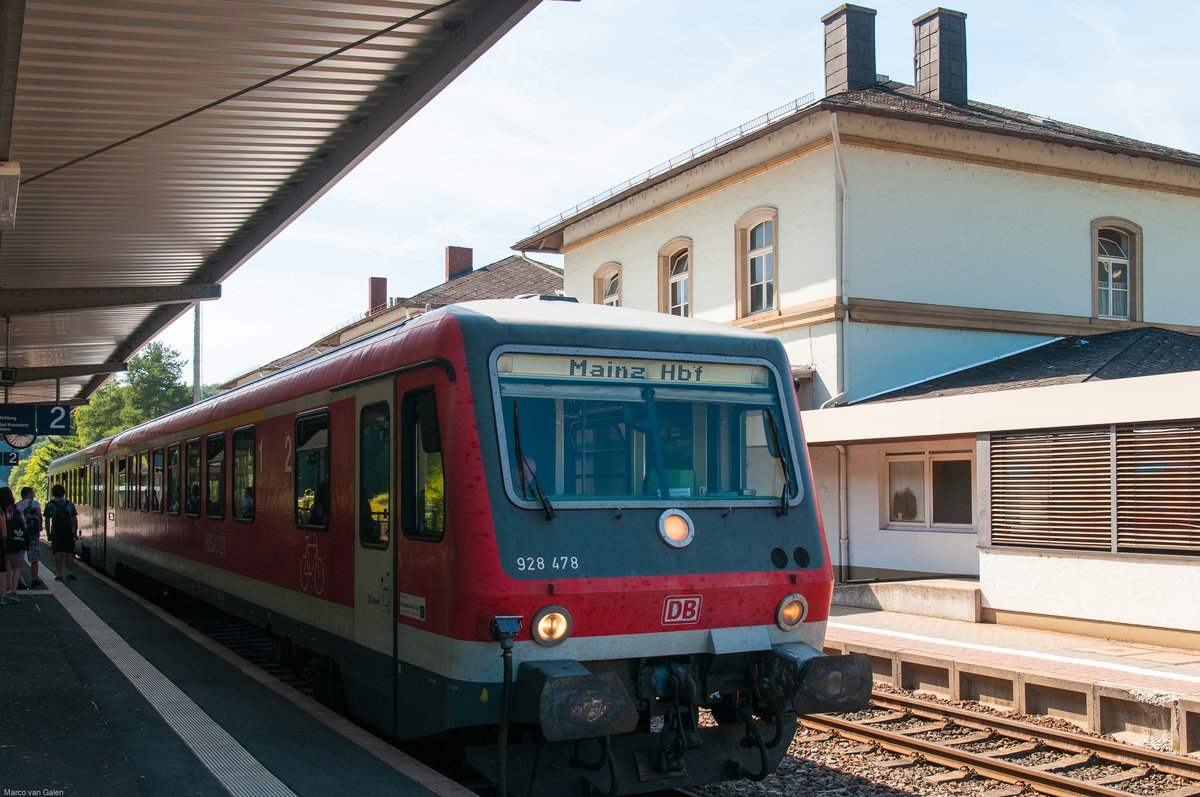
213,155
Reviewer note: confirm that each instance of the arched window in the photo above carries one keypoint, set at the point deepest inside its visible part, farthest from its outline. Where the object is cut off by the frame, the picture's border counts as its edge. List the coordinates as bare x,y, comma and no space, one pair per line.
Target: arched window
1116,278
606,285
757,267
675,277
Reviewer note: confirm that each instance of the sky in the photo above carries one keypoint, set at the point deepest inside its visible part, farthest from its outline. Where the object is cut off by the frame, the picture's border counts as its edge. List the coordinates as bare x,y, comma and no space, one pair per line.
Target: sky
581,96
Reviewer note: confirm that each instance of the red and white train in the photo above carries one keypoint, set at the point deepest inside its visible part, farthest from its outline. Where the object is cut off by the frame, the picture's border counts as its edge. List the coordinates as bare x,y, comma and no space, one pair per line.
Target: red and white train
573,525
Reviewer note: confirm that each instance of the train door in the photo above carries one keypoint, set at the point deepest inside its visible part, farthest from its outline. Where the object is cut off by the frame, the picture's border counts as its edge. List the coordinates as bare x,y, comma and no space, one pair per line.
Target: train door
374,558
95,499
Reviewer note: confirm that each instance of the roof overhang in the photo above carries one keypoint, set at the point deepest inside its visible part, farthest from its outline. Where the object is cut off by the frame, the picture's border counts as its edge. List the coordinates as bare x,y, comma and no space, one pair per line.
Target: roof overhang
1146,399
161,144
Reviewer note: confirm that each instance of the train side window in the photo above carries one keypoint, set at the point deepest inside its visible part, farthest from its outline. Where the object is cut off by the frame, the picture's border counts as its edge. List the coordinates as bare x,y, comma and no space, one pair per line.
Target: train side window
423,501
191,478
156,480
144,481
214,486
121,465
375,475
172,497
243,474
311,468
112,483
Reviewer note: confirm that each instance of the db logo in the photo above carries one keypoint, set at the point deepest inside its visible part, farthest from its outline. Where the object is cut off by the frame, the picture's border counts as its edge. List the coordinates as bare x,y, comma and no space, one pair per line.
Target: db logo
681,609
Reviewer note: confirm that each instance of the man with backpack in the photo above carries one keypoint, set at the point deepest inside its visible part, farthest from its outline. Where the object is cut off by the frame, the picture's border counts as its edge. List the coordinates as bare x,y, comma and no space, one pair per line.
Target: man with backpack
31,513
62,528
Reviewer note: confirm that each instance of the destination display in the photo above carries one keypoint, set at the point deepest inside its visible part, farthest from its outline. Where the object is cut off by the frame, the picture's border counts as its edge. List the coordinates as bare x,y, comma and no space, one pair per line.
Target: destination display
616,369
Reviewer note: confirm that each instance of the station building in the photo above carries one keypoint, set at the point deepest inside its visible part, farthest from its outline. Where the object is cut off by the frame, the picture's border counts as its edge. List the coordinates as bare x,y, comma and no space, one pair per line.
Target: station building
892,234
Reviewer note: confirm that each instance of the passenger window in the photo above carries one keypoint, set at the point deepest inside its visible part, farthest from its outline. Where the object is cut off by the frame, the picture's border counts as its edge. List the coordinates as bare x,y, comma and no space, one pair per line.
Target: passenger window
191,478
143,481
312,470
243,474
121,465
423,503
172,498
214,491
156,480
375,475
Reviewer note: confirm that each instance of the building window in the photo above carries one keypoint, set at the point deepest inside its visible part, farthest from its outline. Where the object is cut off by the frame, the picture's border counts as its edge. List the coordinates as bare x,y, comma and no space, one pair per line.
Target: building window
675,277
756,262
1116,253
606,285
931,490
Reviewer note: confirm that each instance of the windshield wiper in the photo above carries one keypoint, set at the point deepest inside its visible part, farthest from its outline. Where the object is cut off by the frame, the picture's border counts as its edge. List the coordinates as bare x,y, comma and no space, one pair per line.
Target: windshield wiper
525,472
664,490
775,446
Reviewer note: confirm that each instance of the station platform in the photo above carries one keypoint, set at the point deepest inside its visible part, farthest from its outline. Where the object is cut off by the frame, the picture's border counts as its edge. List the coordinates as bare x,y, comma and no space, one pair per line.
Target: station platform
1138,693
106,694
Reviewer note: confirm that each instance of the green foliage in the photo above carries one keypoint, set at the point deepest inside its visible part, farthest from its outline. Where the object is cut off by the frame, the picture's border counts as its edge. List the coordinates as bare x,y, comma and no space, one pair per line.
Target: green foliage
151,387
32,470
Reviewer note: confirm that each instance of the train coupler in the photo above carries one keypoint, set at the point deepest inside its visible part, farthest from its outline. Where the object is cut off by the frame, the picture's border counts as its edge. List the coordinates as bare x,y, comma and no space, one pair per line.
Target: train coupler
680,731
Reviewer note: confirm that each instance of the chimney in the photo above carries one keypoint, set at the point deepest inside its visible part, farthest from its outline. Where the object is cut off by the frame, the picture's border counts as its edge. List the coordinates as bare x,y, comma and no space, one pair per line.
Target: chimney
849,49
940,55
378,298
458,261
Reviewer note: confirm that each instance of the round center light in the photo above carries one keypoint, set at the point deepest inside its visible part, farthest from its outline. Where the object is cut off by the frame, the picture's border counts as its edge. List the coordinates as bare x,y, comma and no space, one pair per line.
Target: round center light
675,528
551,625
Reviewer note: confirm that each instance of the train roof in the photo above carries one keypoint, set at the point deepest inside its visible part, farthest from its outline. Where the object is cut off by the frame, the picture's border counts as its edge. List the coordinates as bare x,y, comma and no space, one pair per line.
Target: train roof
518,318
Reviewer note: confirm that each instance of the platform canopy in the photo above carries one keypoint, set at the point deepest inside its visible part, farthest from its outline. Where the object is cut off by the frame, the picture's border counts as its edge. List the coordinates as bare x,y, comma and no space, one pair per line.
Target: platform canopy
161,143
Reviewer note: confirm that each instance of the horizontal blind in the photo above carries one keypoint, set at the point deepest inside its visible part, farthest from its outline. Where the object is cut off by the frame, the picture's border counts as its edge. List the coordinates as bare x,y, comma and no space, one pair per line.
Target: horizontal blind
1158,488
1052,490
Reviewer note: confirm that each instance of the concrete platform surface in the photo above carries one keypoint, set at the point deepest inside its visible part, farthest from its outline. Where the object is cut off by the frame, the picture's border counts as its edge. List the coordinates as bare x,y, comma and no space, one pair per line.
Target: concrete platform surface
105,694
1136,692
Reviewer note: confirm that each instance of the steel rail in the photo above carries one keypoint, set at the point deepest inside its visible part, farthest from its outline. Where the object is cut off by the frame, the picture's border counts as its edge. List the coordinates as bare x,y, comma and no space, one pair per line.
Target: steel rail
1107,749
993,768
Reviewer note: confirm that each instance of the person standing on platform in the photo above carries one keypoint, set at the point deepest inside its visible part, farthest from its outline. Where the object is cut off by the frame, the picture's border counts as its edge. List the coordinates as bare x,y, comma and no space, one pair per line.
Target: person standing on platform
14,543
31,513
63,528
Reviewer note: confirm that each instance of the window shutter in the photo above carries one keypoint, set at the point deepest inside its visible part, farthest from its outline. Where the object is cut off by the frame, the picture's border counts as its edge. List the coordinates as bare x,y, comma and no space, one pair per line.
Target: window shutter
1158,489
1052,490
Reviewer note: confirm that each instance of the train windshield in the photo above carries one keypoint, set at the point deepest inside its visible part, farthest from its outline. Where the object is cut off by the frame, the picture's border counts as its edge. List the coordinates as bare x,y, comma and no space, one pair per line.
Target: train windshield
612,430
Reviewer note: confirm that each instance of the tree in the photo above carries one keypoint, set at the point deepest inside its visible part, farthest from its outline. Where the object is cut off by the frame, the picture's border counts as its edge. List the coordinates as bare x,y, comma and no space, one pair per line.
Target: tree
155,384
31,471
151,387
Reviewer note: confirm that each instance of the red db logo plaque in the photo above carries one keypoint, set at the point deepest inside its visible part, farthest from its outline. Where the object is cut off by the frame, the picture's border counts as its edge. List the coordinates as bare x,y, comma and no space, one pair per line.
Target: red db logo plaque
681,609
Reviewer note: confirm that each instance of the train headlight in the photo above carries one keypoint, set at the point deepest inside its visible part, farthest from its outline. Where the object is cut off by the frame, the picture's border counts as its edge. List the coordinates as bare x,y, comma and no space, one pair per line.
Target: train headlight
791,612
675,528
551,625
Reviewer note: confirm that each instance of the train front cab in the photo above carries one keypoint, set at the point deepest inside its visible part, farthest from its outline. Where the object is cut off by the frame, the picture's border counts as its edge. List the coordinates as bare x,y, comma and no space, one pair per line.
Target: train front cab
639,487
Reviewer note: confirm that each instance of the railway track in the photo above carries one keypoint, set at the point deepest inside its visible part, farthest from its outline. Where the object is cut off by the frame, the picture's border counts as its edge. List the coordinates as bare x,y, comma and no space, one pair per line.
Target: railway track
971,745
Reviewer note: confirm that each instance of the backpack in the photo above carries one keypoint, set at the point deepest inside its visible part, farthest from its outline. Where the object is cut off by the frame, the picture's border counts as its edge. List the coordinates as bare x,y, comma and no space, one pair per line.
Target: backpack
16,527
61,526
33,521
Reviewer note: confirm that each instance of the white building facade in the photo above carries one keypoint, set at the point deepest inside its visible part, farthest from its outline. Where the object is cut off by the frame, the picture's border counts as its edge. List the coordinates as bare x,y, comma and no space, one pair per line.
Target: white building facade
888,234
